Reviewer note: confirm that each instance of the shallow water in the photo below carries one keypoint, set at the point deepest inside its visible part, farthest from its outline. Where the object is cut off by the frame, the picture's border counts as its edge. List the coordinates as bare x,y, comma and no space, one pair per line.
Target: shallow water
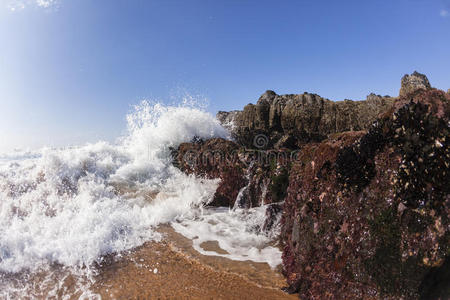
170,268
66,214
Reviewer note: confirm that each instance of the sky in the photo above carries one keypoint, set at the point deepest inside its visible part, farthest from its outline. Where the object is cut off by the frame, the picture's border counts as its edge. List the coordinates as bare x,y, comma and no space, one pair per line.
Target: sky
70,70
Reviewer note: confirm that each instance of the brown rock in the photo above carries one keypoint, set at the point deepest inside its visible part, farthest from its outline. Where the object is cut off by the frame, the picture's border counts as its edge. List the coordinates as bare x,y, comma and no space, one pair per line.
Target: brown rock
258,177
215,158
370,218
412,83
301,118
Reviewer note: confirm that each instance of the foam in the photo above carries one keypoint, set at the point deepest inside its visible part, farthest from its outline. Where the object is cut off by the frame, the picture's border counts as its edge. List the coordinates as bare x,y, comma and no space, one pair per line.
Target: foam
237,231
72,206
60,206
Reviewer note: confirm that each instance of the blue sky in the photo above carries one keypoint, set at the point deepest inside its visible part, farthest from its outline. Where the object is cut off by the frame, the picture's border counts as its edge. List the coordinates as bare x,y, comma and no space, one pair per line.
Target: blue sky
70,70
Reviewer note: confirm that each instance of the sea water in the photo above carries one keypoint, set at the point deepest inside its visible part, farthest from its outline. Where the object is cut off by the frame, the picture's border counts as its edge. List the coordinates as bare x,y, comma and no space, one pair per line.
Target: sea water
71,207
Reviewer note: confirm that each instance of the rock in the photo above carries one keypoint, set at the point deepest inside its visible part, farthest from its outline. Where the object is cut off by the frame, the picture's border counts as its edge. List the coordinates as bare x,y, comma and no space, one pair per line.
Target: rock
309,117
267,98
227,119
362,185
249,177
374,97
286,141
300,118
273,212
370,218
214,158
414,82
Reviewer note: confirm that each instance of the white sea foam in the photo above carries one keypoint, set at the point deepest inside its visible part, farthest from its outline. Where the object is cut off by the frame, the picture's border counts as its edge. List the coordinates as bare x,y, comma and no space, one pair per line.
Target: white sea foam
74,205
237,231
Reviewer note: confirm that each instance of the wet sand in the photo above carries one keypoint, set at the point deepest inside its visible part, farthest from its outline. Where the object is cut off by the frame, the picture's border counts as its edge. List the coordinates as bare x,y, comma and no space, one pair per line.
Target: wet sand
172,269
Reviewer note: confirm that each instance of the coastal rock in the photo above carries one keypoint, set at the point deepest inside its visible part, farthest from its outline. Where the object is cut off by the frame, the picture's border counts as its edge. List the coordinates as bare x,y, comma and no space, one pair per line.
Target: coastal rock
362,186
414,82
367,213
227,119
301,118
247,178
214,159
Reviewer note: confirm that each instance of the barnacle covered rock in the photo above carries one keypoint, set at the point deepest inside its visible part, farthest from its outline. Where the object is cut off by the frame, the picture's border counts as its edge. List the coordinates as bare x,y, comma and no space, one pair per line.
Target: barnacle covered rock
367,216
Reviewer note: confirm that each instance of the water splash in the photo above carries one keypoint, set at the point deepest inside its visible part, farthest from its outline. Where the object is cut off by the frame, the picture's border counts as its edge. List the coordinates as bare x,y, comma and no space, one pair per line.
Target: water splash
71,207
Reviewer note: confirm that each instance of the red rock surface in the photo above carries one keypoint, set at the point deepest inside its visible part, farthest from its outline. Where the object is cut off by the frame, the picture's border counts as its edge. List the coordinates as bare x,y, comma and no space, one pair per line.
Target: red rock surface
215,158
367,215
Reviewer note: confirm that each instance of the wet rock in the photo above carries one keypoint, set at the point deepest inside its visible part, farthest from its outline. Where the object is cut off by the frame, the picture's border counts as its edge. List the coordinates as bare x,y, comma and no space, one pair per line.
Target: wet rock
273,213
252,178
366,202
214,158
227,119
367,214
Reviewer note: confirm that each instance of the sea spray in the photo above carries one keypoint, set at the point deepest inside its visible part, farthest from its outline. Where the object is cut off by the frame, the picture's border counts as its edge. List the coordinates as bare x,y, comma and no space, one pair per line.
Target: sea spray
237,231
70,207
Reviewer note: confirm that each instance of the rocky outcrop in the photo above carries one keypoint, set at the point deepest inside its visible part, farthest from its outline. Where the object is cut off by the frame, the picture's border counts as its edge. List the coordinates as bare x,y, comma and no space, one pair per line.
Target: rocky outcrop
305,118
414,82
214,159
367,214
247,178
362,186
300,118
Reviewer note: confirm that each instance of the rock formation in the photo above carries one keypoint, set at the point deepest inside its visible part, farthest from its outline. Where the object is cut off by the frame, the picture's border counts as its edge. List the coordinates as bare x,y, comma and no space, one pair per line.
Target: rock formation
305,118
414,82
301,118
362,186
250,178
367,214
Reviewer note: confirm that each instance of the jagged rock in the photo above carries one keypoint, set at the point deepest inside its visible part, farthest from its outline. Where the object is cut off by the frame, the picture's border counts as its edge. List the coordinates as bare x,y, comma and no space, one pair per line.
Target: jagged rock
367,215
227,118
214,158
309,117
273,212
306,117
366,203
251,178
414,82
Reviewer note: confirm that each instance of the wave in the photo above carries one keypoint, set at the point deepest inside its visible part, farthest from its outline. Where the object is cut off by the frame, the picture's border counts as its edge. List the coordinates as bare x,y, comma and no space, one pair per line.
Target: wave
72,206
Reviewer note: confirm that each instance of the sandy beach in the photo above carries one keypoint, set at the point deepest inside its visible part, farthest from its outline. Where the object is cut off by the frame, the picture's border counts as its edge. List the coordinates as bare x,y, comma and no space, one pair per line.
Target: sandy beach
171,269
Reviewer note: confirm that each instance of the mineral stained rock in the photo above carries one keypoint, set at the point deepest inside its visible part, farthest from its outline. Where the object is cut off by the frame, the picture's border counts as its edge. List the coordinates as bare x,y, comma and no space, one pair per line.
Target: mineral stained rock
363,188
247,178
367,214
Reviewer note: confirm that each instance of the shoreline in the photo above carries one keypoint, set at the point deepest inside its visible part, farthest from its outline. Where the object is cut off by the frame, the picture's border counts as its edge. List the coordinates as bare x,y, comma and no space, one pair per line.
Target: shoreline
172,269
166,269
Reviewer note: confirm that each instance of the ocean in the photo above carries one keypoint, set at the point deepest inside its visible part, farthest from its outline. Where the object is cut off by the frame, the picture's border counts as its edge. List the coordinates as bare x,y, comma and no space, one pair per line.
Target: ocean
64,212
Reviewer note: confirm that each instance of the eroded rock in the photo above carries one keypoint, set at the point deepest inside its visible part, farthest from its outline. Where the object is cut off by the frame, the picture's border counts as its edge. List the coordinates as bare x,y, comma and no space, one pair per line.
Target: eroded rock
367,214
301,118
414,82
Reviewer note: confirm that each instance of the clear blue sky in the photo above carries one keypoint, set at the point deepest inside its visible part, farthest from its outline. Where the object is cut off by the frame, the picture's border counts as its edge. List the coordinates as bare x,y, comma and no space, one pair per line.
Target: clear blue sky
70,69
